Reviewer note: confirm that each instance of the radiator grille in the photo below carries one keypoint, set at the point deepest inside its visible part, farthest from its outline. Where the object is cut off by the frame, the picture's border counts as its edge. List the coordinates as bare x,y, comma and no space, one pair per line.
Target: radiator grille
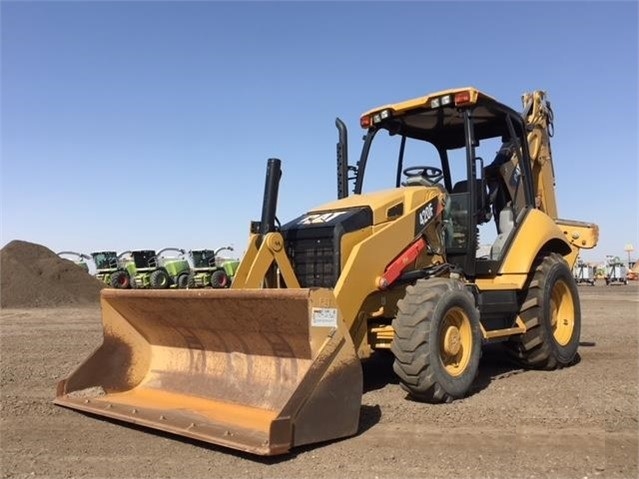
314,262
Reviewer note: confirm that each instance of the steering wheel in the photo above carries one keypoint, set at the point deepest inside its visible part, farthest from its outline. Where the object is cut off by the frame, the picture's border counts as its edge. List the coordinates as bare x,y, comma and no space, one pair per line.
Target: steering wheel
430,173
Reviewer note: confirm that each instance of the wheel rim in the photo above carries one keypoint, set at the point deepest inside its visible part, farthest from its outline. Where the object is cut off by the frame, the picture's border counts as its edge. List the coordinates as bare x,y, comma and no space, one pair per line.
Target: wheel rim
455,342
562,310
218,280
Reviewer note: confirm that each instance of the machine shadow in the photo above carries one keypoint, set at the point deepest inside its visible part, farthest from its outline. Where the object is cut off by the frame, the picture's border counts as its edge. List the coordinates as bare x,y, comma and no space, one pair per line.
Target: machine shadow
495,364
378,371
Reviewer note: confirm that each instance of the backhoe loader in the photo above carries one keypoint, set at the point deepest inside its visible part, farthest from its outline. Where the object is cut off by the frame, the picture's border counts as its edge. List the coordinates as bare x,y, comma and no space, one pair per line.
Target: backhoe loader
274,362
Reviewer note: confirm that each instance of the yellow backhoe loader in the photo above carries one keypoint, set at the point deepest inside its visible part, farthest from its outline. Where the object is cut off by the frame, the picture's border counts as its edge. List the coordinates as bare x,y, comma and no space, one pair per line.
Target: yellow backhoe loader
274,361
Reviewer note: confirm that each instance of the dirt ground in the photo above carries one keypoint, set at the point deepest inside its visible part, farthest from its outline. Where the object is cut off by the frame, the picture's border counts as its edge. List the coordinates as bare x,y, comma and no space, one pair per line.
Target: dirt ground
574,423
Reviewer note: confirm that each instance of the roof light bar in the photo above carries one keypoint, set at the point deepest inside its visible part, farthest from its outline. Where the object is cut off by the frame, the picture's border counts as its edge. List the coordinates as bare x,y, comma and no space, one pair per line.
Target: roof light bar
462,98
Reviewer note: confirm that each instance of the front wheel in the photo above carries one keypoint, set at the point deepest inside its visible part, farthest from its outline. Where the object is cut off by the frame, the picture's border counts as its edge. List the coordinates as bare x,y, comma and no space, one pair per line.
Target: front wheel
159,279
551,313
183,281
219,279
437,343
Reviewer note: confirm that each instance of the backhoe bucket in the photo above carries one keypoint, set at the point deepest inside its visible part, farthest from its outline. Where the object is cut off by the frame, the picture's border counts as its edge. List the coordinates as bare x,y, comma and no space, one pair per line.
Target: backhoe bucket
259,370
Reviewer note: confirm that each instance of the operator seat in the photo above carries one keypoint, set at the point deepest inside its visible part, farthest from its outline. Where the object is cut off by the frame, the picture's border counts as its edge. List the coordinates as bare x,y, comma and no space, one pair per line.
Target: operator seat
506,225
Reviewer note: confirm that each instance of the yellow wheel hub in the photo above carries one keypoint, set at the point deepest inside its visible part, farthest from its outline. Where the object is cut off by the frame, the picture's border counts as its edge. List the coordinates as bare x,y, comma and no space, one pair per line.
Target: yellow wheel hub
562,311
456,342
451,341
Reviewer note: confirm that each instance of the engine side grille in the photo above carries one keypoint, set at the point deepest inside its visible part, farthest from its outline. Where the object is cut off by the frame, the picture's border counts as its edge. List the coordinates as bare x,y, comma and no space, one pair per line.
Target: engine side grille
314,262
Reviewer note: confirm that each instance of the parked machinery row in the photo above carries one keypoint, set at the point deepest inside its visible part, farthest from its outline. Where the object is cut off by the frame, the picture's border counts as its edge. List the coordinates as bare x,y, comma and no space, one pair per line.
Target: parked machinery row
148,269
613,272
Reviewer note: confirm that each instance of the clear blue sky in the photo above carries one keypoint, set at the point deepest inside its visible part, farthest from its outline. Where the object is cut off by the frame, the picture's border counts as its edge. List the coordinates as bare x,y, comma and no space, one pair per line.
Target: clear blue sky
145,125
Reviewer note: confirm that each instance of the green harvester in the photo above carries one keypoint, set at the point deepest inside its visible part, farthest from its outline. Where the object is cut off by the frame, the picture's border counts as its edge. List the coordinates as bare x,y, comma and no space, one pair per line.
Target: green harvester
155,271
208,269
111,269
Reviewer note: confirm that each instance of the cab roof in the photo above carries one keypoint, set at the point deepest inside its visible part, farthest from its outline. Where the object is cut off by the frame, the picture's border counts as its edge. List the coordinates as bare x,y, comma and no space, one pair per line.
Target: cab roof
435,117
422,101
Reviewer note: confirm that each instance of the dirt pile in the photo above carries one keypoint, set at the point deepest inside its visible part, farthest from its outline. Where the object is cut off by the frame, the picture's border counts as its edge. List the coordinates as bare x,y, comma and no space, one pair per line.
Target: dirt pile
33,276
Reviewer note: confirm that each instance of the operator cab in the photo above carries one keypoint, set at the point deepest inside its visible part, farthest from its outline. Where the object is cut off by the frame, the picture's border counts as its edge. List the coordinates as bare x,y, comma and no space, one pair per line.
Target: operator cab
105,260
203,259
144,259
470,145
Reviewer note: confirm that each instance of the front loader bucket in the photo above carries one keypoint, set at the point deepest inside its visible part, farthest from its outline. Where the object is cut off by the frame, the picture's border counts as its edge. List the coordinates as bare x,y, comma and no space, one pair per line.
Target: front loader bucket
258,370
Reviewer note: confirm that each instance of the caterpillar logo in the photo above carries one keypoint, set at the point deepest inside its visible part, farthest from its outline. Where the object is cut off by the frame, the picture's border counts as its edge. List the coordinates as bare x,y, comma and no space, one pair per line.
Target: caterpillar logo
320,218
424,215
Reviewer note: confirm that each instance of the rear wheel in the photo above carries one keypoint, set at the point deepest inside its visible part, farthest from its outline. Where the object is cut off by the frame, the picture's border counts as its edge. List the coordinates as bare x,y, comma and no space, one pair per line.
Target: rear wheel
183,281
159,279
551,312
190,283
120,280
437,343
219,279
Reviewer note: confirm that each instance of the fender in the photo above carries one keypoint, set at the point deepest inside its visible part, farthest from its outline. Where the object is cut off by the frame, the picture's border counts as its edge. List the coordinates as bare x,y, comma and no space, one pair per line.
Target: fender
536,233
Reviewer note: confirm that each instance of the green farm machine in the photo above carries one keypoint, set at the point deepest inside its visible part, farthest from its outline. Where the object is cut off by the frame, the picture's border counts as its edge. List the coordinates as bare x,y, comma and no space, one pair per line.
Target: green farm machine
80,259
208,269
111,269
155,271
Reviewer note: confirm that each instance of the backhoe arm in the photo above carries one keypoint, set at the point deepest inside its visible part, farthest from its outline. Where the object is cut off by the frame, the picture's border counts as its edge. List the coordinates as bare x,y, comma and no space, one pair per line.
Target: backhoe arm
539,119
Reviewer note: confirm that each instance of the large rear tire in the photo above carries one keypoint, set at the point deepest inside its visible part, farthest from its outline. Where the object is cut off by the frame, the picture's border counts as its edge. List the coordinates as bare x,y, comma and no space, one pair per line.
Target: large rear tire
437,343
120,280
551,312
159,279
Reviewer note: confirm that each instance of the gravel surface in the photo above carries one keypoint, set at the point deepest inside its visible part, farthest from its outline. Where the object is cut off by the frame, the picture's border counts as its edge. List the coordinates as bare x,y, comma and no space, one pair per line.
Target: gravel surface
575,423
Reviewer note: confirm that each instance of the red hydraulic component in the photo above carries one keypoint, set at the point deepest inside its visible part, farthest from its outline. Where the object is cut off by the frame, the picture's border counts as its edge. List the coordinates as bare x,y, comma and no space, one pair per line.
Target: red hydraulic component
395,269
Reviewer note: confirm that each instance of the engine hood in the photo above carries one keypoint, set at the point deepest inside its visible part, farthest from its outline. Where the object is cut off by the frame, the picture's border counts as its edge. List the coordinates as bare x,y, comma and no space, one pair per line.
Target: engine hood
385,205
